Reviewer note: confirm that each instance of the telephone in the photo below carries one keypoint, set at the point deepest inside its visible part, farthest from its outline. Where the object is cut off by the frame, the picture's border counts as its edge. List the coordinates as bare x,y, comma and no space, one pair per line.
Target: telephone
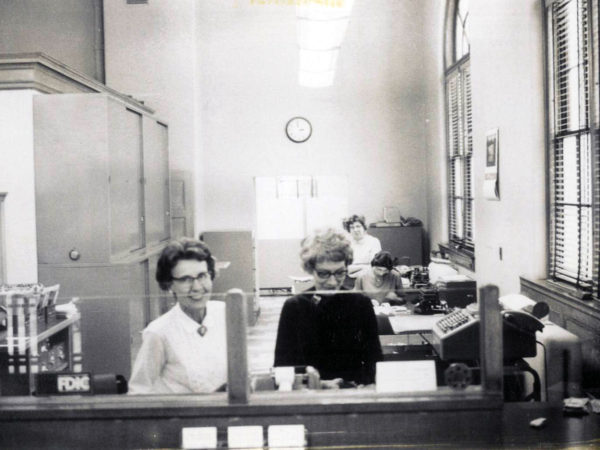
522,321
428,302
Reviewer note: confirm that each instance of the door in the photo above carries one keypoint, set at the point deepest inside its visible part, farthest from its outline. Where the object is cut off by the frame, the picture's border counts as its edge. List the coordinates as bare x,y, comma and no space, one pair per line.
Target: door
182,223
126,180
287,209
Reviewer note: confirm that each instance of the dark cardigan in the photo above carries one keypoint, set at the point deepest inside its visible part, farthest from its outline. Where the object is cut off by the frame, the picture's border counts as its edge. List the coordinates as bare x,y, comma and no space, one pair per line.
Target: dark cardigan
337,335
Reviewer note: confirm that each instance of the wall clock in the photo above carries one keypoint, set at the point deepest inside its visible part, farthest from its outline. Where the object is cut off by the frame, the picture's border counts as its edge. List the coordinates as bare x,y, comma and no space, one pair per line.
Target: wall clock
298,129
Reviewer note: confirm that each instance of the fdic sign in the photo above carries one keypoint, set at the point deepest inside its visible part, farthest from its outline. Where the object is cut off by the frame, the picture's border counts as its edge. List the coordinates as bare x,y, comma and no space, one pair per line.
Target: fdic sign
64,383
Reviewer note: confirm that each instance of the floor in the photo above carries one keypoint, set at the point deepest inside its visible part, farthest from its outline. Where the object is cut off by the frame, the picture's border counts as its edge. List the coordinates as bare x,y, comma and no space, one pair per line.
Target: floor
261,337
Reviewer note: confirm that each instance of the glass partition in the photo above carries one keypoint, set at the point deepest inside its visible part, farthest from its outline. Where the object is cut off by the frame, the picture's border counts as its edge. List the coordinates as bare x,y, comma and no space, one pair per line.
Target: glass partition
318,341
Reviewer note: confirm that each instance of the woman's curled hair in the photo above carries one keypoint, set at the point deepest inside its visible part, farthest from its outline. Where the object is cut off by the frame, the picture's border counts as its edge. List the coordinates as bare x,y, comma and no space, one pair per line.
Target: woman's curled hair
352,219
325,245
182,248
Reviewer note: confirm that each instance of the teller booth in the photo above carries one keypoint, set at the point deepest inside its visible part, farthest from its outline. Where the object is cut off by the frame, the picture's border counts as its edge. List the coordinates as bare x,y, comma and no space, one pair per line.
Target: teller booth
256,407
418,399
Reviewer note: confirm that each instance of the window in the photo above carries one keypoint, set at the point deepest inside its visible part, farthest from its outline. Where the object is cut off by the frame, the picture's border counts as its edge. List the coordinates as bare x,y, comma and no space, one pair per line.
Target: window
573,143
2,241
459,133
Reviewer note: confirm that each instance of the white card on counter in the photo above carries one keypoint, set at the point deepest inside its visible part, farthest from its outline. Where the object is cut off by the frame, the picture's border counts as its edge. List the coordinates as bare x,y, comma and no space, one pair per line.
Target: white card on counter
199,437
286,437
246,437
405,376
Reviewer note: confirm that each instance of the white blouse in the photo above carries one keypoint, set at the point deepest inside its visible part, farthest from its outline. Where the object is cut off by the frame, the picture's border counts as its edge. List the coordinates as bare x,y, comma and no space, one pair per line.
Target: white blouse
174,358
365,250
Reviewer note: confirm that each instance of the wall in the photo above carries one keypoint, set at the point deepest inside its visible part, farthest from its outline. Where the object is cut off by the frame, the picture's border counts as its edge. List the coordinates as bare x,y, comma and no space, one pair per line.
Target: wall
17,181
437,201
507,90
223,75
367,126
507,73
63,29
150,54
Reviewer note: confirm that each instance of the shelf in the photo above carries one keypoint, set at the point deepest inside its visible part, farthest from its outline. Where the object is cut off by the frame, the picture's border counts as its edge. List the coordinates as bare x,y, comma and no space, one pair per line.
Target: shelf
49,331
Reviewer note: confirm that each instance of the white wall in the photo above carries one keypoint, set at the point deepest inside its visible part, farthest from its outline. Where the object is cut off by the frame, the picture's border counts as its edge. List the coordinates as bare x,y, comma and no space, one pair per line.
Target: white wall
507,73
17,181
507,90
150,54
223,75
227,103
437,201
369,126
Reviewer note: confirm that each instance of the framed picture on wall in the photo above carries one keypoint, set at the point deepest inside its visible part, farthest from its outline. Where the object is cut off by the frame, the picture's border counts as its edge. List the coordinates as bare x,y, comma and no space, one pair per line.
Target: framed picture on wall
491,188
492,149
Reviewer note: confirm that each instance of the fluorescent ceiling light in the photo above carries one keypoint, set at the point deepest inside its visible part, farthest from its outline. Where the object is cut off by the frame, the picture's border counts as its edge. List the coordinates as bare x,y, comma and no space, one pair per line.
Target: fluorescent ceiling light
321,28
324,9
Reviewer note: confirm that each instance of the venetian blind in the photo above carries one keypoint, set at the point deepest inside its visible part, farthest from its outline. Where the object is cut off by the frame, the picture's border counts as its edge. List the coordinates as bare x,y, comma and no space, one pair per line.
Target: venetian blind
574,221
460,149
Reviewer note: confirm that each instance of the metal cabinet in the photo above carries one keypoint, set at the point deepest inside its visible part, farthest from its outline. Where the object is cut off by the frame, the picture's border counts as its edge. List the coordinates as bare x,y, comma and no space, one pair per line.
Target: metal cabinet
404,243
102,179
102,215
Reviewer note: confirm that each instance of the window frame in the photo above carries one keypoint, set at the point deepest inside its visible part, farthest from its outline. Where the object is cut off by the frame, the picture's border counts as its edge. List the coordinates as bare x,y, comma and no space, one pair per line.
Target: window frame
461,250
556,135
2,239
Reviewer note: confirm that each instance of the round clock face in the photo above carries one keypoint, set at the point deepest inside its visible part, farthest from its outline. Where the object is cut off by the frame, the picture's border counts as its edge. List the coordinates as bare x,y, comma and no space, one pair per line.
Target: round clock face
298,129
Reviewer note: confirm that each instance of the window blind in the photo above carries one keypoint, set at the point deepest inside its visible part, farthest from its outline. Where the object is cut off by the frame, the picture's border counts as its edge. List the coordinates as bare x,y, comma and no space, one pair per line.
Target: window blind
460,150
574,183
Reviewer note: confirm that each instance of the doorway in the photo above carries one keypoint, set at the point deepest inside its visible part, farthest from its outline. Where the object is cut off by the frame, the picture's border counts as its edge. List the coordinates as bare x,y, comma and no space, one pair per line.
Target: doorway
287,209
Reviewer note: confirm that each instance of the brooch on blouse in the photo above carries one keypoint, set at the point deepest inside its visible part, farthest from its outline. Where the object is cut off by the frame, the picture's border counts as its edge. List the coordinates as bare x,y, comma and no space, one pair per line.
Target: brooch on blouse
202,330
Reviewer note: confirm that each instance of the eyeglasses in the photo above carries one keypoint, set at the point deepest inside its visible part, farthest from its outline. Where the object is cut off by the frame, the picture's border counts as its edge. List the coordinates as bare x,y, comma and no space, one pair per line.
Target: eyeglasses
188,280
325,274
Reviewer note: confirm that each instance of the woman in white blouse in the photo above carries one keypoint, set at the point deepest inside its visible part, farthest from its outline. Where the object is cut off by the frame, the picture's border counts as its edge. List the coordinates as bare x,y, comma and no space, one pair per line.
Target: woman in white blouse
364,246
184,350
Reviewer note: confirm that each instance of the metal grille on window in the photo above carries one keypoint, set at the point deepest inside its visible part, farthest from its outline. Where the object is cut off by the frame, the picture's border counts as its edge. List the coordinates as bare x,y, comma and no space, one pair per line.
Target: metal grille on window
574,224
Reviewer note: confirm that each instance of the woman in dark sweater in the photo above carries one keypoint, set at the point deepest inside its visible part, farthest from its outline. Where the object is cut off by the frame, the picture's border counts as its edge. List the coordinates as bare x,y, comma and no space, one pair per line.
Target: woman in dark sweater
331,330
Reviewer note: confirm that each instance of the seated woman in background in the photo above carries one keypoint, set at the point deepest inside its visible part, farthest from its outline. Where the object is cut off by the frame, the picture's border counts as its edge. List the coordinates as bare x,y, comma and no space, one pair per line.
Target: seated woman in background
185,349
382,281
364,246
335,332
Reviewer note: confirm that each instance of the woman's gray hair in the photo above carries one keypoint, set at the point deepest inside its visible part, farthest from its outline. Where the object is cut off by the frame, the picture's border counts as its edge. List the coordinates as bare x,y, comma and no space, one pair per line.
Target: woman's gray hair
325,245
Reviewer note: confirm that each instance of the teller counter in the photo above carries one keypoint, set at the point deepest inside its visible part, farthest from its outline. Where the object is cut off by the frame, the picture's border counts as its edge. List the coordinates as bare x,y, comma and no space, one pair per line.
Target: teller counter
332,420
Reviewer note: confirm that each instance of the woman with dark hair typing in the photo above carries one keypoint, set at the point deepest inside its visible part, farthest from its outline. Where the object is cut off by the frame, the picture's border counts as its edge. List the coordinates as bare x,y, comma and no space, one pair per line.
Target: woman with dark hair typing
184,350
334,332
382,282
